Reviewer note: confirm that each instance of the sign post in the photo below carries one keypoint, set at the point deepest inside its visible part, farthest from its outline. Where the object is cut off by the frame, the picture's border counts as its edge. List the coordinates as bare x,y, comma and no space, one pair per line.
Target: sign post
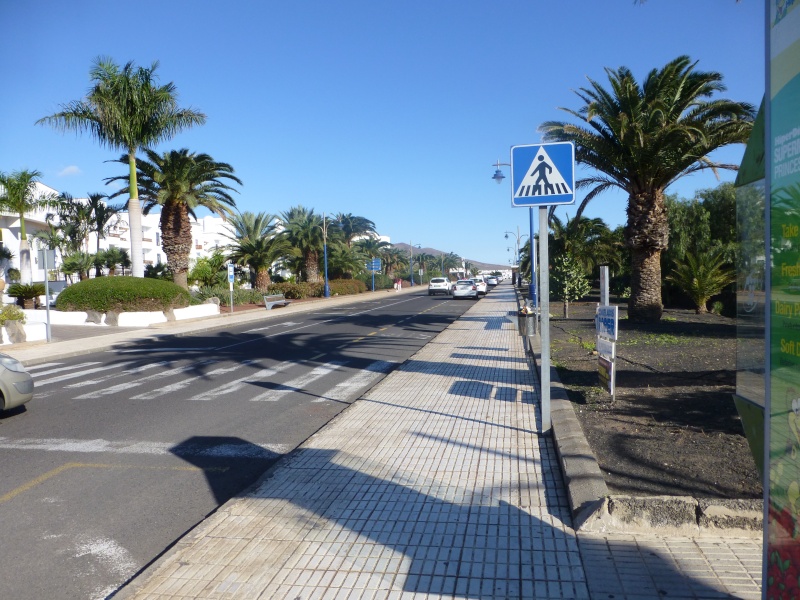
375,266
43,256
542,175
230,282
606,322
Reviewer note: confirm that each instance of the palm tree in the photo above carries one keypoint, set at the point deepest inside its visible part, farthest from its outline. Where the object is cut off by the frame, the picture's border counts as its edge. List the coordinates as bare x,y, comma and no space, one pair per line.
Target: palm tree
371,247
353,227
18,195
102,217
179,182
392,258
303,231
702,277
588,241
127,110
112,258
256,244
641,139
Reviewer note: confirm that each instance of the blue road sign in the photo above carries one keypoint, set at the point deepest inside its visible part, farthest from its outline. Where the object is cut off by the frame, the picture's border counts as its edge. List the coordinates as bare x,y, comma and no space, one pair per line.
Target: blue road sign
230,273
374,265
543,174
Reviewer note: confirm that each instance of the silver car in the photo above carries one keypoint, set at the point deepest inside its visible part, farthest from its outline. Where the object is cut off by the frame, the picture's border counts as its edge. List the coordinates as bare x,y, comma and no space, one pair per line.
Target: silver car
16,384
465,288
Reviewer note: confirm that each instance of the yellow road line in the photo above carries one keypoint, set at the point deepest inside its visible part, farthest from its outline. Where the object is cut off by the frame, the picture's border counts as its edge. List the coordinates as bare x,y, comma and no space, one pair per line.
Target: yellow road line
73,465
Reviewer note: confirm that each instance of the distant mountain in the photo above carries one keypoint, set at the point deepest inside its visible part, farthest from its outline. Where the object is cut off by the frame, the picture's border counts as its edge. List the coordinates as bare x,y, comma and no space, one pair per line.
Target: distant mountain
483,266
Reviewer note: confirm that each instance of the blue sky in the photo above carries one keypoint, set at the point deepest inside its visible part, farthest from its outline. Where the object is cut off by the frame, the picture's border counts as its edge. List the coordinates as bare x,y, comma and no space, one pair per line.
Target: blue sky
393,110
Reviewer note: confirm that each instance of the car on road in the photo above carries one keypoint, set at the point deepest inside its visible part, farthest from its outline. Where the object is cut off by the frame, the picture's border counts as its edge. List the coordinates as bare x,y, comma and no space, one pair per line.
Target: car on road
16,384
482,287
439,285
492,281
465,288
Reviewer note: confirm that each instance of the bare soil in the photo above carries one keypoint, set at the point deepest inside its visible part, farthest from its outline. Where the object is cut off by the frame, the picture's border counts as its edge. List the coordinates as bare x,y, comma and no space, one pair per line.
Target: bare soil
673,428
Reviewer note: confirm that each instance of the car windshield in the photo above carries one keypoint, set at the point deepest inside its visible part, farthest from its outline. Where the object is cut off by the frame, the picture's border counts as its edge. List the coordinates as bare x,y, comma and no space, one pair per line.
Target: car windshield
465,282
437,280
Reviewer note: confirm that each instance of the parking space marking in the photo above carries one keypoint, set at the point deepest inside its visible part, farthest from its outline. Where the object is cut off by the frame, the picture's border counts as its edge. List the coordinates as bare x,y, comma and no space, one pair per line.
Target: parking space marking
73,465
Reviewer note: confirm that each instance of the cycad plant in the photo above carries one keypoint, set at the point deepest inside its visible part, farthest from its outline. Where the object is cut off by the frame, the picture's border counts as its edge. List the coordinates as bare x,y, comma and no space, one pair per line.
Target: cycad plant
701,277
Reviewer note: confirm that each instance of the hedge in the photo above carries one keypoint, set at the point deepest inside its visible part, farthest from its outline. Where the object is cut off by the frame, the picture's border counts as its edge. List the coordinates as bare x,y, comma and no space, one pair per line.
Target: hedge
122,294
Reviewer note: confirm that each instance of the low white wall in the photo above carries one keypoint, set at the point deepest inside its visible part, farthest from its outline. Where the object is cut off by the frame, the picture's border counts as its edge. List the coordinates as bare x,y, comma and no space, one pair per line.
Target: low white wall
140,319
34,332
57,317
195,312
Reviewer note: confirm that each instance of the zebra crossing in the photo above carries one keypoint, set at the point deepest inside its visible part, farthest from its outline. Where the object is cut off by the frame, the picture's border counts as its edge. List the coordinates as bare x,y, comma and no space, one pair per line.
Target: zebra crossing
207,379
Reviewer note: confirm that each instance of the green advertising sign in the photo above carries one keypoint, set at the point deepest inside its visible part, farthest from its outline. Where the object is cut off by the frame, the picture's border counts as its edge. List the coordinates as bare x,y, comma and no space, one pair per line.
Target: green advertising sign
783,178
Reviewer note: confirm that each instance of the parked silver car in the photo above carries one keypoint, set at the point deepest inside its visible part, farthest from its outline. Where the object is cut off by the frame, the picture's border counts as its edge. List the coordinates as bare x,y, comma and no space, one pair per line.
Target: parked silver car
16,384
465,288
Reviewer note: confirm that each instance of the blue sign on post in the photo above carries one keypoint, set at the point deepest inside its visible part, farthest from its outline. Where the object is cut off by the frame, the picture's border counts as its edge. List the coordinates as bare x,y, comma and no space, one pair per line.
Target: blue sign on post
543,174
374,265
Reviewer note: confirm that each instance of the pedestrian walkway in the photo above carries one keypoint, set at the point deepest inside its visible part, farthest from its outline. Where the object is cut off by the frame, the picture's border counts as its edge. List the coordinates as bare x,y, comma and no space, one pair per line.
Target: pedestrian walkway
436,484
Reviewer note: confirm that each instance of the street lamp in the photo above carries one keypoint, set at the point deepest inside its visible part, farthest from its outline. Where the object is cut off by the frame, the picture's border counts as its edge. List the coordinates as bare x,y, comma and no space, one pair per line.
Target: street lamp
519,240
411,260
498,177
326,290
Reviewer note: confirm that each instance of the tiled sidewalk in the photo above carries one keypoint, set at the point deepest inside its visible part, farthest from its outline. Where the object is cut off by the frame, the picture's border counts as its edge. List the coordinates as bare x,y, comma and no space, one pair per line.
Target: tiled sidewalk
435,485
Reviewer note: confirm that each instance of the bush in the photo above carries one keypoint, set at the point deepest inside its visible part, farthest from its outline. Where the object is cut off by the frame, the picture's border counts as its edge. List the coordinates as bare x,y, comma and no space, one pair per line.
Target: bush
11,312
296,291
223,294
25,291
344,287
122,294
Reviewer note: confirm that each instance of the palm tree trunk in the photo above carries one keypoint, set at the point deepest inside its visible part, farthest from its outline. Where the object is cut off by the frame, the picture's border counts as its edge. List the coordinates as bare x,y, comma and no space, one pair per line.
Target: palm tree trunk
135,219
176,239
262,279
312,267
647,234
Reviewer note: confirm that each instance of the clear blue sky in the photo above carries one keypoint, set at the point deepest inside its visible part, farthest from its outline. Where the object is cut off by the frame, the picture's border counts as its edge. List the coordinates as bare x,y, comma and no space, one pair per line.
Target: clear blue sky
394,110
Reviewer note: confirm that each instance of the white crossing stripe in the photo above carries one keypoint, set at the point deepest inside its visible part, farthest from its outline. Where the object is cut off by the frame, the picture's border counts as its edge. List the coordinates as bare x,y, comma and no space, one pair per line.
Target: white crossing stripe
237,384
67,377
131,384
299,383
179,385
114,374
344,390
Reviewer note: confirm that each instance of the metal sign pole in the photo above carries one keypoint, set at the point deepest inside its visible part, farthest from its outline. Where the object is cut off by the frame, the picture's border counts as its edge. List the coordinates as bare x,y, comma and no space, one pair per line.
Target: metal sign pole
47,294
544,303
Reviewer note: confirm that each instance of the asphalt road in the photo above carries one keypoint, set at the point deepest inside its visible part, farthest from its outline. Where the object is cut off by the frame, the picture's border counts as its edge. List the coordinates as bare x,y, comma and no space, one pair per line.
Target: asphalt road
121,452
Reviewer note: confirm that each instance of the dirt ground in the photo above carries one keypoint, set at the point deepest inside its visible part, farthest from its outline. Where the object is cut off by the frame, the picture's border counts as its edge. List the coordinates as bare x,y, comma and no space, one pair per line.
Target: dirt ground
673,428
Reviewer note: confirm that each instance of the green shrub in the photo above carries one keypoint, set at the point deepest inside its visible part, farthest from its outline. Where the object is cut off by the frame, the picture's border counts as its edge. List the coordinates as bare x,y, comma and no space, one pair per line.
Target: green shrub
343,287
122,294
11,312
223,294
25,291
296,291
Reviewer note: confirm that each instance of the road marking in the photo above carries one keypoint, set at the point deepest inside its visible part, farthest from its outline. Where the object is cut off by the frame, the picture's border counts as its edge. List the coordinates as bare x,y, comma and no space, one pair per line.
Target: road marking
298,383
345,390
74,465
131,384
179,385
237,384
69,376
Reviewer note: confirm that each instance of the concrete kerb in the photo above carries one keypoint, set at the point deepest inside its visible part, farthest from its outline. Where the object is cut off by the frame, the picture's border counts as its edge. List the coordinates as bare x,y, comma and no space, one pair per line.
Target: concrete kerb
594,509
34,353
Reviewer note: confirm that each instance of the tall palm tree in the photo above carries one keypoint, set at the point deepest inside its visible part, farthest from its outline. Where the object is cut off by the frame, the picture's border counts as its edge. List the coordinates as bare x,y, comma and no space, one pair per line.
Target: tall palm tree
353,227
127,110
392,258
256,244
303,230
180,182
641,139
18,195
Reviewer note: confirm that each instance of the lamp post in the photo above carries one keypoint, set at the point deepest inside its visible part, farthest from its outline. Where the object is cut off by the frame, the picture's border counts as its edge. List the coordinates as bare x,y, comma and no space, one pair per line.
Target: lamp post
498,177
518,238
326,290
411,260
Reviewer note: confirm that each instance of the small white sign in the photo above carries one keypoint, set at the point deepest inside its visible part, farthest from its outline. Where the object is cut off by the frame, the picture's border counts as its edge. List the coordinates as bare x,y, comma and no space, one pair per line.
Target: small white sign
606,321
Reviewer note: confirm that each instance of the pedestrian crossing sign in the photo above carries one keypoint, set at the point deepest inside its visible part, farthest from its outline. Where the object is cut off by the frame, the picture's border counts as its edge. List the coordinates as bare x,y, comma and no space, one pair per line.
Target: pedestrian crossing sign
543,174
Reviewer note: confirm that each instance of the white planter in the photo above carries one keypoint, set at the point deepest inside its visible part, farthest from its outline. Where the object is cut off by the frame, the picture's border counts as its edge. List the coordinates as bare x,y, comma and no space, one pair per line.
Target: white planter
34,332
196,312
57,317
140,319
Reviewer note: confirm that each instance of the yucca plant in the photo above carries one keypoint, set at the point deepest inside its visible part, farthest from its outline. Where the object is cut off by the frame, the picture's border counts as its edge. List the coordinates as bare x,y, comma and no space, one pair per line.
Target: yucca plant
701,277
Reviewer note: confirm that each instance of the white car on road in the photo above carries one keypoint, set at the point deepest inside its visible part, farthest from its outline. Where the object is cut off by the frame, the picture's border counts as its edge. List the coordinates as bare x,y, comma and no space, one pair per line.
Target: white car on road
439,285
465,288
